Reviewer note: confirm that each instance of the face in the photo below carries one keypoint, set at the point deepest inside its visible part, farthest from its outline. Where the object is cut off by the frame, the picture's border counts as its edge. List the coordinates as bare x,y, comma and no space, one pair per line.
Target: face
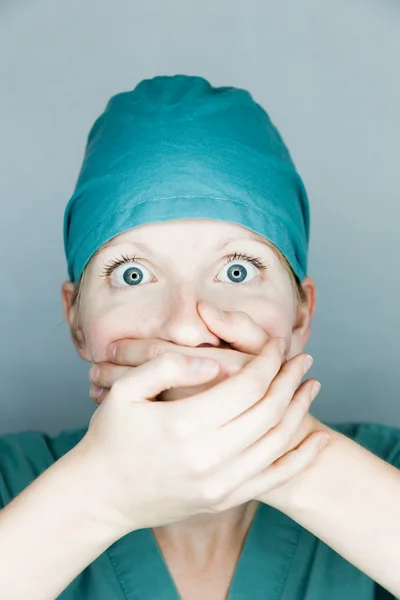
146,283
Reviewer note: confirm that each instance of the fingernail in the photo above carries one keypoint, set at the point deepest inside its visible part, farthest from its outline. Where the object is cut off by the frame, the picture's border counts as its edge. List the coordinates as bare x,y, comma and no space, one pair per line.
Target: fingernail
215,312
308,361
96,391
112,351
94,373
315,389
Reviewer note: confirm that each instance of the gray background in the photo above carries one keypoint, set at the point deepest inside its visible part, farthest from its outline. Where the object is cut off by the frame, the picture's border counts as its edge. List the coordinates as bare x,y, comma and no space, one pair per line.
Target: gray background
328,74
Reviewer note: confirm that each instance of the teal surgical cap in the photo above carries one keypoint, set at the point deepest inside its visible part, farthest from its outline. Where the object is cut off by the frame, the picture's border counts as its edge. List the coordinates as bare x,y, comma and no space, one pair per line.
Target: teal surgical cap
176,147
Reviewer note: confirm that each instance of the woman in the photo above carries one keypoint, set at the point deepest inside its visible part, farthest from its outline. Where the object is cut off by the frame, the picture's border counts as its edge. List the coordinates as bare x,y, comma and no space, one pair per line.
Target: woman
195,483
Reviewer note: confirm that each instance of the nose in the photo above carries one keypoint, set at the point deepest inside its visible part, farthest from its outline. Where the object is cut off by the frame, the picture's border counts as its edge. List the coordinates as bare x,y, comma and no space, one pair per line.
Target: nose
183,324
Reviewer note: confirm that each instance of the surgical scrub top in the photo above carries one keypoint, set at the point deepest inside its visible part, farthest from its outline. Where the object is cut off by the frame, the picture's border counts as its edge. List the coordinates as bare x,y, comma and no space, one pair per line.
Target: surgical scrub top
280,560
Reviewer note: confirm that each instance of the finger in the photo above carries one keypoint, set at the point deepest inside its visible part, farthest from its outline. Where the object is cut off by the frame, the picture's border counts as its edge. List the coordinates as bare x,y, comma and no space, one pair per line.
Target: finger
229,398
135,352
169,370
235,327
281,472
105,374
269,411
261,419
270,447
285,436
103,395
98,394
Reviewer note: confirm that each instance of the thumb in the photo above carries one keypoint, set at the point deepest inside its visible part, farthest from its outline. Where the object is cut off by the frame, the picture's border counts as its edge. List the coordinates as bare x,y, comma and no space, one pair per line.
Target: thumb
148,380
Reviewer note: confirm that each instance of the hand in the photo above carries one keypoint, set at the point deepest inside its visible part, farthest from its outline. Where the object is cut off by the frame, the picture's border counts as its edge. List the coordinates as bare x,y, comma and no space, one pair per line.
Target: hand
243,333
199,451
236,328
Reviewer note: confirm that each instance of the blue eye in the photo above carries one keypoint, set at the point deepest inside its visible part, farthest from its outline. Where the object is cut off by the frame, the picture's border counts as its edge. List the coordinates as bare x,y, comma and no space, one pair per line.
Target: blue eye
238,272
131,276
126,272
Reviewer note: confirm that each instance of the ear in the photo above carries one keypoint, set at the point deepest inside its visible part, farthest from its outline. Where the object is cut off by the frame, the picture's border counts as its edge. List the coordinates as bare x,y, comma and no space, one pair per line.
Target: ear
72,317
302,326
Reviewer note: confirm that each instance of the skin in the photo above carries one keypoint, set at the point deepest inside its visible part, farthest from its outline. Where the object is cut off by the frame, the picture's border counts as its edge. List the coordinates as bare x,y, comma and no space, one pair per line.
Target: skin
181,268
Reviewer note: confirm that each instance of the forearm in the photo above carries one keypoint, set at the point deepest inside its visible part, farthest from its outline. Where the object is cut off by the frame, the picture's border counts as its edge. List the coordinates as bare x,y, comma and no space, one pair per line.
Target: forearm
51,531
349,498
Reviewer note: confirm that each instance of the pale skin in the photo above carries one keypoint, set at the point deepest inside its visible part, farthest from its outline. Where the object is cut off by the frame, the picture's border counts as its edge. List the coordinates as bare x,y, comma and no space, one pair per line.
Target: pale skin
347,496
211,452
182,269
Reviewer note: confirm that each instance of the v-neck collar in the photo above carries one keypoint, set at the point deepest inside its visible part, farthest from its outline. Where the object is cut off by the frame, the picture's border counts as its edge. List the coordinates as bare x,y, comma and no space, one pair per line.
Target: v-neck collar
261,572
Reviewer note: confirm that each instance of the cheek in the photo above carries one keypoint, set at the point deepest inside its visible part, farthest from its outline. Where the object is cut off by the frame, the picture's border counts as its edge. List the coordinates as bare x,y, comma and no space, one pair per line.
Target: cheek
272,317
106,325
98,336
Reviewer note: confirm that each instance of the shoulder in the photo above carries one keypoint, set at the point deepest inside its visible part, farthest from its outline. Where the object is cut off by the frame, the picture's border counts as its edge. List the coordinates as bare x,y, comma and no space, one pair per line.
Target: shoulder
25,455
382,440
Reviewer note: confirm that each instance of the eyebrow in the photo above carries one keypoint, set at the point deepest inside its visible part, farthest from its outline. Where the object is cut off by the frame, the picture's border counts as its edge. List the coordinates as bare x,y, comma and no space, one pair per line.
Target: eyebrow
224,241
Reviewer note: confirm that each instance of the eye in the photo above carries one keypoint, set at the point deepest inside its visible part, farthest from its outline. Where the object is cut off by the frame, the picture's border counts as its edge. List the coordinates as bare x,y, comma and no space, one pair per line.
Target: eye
242,267
127,272
130,274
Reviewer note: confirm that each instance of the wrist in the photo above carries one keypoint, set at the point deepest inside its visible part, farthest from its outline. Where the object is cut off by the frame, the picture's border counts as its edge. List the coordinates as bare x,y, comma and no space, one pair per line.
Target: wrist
285,497
92,492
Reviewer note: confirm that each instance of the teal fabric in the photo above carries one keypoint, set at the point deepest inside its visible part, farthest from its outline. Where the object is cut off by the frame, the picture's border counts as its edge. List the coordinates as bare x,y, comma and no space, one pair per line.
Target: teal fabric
176,147
279,561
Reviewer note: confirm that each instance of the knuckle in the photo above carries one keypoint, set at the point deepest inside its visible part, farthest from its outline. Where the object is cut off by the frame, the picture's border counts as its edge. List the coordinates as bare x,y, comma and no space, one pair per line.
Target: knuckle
274,357
175,422
200,459
275,415
198,463
256,387
211,492
282,438
272,352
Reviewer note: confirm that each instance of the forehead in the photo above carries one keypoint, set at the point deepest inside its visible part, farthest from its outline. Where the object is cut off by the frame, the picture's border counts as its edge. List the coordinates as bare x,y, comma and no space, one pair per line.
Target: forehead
204,233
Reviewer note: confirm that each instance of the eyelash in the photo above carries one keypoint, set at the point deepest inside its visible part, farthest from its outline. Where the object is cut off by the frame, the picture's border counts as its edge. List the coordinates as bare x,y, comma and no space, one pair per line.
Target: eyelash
257,261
